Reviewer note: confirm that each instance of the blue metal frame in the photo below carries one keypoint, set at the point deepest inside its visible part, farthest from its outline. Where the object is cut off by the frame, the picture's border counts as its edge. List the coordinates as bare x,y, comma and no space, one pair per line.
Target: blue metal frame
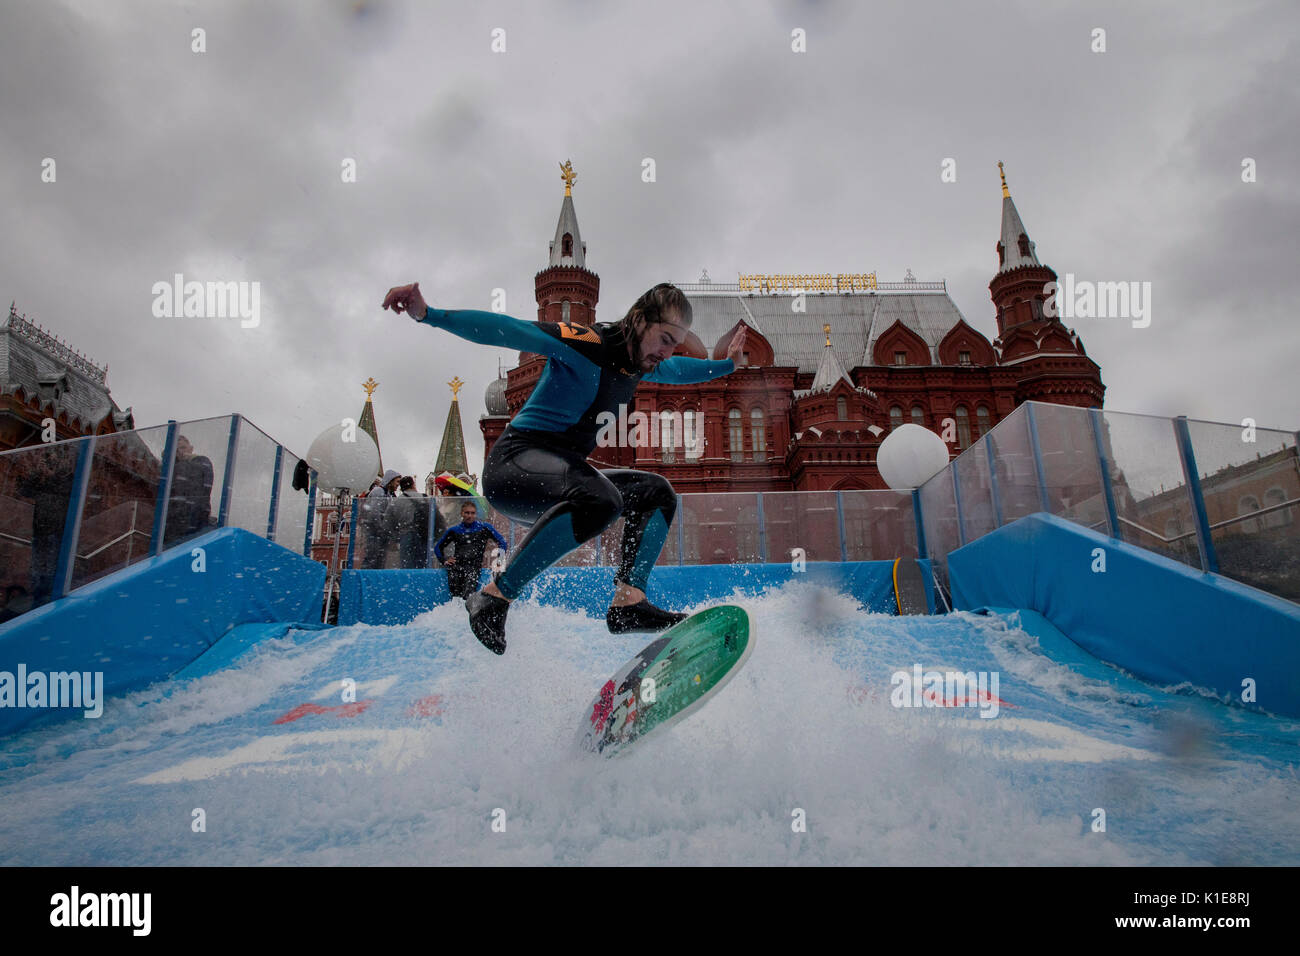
956,497
921,550
1039,470
431,531
681,533
311,515
1112,514
993,481
839,514
228,479
762,530
1204,540
352,531
164,489
275,494
72,521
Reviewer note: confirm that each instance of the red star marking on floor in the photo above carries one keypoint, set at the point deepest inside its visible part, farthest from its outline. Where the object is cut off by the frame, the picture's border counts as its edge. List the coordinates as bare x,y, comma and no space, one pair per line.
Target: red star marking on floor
342,710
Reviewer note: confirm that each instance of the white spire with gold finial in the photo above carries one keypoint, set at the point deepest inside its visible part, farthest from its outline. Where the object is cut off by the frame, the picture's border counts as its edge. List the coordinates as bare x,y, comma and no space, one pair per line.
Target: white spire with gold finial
568,249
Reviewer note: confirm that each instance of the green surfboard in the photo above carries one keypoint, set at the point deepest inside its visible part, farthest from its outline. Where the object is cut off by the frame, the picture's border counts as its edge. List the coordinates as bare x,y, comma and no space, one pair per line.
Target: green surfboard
670,677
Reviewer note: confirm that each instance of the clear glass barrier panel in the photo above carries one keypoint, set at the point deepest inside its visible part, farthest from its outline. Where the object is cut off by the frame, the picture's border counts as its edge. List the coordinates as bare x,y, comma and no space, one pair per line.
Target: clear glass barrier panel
250,499
1151,495
195,499
1250,481
35,486
118,515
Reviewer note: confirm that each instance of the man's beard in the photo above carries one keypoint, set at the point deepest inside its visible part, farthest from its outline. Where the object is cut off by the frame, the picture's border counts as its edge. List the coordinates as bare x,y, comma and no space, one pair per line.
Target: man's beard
638,359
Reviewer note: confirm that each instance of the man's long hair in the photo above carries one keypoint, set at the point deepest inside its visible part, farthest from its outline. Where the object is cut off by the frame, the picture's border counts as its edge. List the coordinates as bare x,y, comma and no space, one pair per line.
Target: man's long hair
653,307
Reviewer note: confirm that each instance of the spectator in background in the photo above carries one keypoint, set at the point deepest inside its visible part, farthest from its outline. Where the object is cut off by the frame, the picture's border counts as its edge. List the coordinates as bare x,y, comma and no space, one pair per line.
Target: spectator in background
470,539
407,523
189,509
372,520
431,492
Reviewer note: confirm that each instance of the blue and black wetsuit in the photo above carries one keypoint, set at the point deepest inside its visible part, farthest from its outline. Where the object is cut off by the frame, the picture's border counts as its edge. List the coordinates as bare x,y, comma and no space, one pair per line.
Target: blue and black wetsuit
470,541
537,472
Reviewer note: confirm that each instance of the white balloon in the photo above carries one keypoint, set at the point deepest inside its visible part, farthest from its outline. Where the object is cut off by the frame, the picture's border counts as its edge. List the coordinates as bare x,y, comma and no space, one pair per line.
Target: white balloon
910,456
350,465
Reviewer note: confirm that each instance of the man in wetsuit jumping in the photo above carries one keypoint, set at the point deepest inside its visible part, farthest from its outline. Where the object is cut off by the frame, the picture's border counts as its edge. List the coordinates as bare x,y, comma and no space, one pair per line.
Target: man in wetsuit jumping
537,472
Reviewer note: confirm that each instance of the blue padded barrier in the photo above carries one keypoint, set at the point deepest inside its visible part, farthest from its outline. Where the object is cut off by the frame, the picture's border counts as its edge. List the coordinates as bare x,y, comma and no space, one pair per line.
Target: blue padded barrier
145,622
1155,617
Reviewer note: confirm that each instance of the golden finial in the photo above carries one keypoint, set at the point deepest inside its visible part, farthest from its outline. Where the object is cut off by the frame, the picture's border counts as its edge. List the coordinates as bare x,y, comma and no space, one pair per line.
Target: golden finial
456,385
568,175
827,330
370,385
1006,193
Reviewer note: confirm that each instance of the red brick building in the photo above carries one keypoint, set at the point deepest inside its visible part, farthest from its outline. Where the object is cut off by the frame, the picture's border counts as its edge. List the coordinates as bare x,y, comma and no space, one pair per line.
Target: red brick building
828,372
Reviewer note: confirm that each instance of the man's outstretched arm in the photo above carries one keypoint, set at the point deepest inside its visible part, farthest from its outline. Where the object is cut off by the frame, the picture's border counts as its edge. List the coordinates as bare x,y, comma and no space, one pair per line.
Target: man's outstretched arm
682,370
493,328
483,328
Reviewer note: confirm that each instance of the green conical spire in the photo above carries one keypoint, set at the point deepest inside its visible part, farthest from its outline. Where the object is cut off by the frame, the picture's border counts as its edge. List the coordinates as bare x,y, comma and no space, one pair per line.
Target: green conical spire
367,422
451,456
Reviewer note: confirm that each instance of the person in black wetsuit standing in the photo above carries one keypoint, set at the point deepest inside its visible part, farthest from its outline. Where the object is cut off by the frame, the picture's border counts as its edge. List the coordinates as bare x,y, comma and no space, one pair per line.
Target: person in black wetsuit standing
537,472
470,538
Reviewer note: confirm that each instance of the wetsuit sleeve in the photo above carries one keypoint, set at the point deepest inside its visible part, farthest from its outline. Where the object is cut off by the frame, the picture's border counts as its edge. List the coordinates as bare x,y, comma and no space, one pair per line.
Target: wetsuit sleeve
682,370
493,328
437,548
500,540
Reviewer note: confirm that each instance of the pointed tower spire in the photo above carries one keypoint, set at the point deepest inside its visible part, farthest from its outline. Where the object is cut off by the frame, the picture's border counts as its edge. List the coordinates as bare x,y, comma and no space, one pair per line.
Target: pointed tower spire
830,369
1015,249
367,422
566,289
568,249
451,456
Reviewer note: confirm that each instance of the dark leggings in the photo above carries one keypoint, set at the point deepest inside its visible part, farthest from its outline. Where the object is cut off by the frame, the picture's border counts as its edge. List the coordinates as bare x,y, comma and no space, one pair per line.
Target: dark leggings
568,502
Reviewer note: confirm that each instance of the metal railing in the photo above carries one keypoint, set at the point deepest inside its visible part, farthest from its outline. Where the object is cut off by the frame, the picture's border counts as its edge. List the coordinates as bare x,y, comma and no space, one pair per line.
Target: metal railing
1211,495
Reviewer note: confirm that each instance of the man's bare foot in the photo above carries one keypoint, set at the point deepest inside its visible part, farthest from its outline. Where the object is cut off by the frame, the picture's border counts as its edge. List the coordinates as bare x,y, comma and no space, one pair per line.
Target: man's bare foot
491,588
626,595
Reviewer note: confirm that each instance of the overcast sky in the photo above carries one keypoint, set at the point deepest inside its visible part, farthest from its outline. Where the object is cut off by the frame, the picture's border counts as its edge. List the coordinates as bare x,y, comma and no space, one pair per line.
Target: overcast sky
226,165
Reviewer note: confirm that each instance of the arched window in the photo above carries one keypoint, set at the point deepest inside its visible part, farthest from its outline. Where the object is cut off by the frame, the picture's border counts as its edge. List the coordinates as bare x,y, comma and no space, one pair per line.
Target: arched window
963,426
983,421
566,245
756,428
735,435
918,415
692,438
564,311
1173,528
667,440
1246,505
841,408
895,416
